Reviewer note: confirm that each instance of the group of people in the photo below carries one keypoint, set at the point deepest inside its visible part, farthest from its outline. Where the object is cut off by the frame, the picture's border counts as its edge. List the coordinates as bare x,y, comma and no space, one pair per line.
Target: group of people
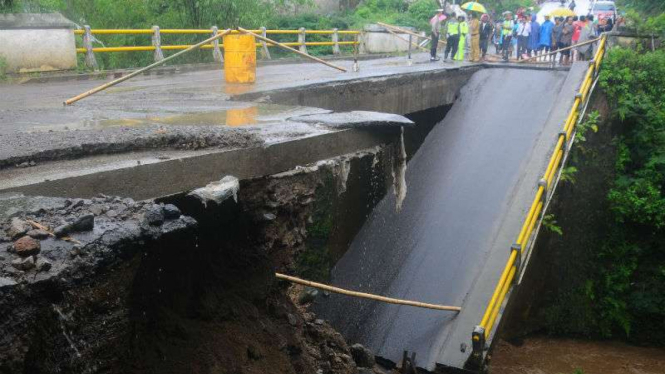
456,29
525,36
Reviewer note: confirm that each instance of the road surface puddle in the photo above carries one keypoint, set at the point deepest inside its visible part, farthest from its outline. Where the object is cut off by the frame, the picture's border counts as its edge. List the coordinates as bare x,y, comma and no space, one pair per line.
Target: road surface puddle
253,115
545,355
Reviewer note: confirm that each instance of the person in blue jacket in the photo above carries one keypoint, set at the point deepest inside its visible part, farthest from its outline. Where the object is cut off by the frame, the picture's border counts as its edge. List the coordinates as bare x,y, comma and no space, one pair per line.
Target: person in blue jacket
534,37
545,43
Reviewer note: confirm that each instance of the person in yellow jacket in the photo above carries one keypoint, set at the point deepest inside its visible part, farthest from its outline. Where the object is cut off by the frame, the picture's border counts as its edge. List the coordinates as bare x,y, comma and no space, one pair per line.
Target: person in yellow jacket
474,27
452,35
463,32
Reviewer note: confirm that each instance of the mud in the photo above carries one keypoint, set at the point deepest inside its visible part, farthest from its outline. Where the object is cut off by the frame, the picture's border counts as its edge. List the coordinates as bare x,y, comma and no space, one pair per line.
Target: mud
543,355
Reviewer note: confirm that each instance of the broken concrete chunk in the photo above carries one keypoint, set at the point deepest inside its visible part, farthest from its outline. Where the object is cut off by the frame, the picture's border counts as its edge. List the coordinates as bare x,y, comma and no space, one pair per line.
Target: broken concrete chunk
18,227
27,246
218,191
356,119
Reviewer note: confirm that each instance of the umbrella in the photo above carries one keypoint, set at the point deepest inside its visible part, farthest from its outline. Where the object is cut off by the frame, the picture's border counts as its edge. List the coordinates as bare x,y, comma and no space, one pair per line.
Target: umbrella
474,6
562,12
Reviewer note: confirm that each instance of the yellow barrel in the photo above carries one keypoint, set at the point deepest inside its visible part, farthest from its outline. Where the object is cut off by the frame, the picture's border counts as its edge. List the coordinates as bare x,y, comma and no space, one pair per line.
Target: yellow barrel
239,58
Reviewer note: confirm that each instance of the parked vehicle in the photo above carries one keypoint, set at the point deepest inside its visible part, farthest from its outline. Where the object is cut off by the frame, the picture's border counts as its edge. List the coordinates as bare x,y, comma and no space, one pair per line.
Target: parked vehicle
604,9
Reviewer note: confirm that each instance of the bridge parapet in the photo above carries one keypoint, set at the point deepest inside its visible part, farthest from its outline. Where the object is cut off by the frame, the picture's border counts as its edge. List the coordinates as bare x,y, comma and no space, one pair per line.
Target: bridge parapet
484,332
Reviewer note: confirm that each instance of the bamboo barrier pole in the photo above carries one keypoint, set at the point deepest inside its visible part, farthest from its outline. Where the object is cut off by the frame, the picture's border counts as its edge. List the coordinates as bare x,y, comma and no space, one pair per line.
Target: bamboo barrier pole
366,295
405,31
137,72
562,49
291,49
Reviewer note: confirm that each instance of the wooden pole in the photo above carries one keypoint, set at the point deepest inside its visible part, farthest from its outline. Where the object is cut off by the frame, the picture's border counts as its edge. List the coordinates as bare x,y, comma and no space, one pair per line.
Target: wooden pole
405,31
291,49
137,72
366,295
562,49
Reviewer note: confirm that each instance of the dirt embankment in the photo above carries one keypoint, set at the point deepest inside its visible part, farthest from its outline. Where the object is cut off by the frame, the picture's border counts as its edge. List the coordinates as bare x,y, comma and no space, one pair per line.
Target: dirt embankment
183,288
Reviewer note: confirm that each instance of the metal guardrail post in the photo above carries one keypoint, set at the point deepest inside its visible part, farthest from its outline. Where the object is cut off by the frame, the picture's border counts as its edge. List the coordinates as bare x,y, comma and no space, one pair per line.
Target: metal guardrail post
90,60
216,52
301,40
356,67
335,39
157,43
409,62
264,45
518,261
478,346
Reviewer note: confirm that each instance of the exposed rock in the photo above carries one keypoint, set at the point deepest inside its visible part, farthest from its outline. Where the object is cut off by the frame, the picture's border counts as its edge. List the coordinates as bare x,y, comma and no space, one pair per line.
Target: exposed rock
38,234
62,230
154,216
24,264
43,264
253,353
171,211
293,321
318,322
269,217
362,356
17,228
84,223
27,246
308,295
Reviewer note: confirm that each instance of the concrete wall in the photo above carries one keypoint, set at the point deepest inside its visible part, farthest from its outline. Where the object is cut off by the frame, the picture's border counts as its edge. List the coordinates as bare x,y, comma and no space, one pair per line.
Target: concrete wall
376,39
35,42
398,93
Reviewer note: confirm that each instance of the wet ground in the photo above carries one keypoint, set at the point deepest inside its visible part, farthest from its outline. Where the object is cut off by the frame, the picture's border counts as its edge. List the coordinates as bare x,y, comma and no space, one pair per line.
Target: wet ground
544,355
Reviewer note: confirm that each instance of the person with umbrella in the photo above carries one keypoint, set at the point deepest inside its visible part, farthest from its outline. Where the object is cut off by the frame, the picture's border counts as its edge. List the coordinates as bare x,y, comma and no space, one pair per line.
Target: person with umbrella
474,27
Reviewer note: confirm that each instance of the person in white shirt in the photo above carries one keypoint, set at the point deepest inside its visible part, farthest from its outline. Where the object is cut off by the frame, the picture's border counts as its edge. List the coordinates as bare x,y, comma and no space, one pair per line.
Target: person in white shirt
523,32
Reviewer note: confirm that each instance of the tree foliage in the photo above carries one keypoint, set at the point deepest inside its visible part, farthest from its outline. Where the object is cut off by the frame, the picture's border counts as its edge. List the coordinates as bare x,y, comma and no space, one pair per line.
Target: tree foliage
628,289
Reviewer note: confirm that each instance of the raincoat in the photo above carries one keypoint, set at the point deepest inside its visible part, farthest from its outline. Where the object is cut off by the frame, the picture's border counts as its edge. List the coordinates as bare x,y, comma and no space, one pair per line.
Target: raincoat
464,31
546,34
534,37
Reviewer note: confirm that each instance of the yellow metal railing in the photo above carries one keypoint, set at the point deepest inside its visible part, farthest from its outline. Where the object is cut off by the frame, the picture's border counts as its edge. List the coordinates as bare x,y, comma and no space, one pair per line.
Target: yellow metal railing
300,43
512,268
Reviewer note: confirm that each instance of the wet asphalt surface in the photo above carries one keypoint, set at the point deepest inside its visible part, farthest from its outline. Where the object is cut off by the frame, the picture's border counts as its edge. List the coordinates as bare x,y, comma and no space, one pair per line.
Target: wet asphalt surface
464,205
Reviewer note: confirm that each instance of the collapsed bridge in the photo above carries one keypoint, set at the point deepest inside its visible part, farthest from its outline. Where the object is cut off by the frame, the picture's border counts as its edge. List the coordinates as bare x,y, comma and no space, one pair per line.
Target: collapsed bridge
470,184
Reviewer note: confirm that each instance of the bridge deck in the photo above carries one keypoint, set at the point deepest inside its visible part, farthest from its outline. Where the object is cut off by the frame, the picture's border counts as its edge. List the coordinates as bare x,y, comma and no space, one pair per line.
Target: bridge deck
469,187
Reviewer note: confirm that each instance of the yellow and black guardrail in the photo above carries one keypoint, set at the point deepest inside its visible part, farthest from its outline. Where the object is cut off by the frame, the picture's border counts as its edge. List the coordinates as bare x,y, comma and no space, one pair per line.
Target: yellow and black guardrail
156,46
511,272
